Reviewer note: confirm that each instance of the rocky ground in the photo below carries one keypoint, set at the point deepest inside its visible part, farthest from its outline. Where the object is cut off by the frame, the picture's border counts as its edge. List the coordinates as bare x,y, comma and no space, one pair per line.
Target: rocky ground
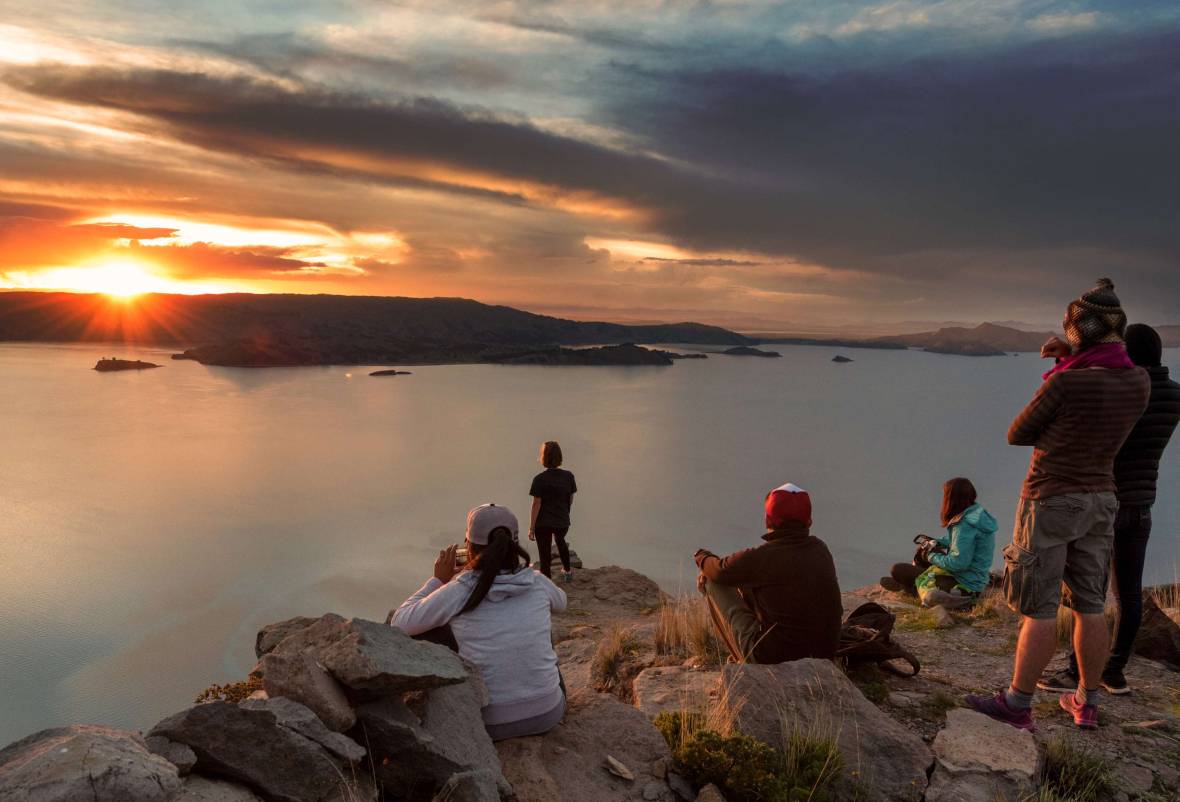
354,711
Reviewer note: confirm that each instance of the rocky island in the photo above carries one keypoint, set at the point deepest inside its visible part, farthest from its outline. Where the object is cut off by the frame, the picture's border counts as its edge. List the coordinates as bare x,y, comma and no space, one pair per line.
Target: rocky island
348,710
745,350
112,364
839,358
390,372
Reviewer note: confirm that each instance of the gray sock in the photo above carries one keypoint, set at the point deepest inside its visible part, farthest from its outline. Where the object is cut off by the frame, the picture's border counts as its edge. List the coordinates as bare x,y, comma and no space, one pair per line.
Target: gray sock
1086,697
1018,699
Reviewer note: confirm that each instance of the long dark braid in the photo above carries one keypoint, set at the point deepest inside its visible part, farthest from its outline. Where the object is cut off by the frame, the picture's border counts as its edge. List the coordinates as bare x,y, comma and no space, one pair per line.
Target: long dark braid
502,553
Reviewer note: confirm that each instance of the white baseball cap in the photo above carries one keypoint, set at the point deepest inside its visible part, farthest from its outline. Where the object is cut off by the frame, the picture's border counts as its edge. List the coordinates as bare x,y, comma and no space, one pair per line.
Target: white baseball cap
485,518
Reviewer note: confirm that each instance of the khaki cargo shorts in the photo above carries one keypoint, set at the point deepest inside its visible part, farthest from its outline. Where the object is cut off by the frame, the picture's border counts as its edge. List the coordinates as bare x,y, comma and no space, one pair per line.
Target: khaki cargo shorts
1066,538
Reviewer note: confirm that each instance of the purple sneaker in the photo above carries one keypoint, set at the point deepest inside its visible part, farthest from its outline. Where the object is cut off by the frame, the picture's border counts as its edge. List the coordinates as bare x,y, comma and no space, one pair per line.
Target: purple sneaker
1085,716
997,707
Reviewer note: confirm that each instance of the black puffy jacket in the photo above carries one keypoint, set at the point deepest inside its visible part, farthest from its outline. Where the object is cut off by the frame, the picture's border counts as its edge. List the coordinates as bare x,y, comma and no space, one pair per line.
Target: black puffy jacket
1137,466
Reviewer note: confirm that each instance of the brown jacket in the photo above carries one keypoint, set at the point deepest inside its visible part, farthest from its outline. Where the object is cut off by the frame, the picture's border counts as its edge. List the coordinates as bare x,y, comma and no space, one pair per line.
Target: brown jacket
1077,422
790,583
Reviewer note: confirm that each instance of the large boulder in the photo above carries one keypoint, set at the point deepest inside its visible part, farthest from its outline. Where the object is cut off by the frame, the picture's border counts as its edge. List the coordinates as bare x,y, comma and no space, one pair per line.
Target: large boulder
302,678
672,688
81,762
297,717
252,747
1159,634
368,658
453,716
409,762
813,697
379,660
204,789
569,763
272,635
979,759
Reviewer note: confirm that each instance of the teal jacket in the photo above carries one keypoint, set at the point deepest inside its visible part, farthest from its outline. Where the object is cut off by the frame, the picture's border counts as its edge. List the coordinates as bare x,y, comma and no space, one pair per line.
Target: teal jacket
970,541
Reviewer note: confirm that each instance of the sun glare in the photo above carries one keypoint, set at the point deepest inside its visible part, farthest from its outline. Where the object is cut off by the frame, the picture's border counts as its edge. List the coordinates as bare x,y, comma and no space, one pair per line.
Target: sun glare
123,278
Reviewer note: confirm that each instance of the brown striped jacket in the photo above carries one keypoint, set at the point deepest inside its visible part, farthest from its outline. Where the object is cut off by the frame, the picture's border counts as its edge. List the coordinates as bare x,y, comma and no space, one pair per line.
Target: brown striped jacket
1076,423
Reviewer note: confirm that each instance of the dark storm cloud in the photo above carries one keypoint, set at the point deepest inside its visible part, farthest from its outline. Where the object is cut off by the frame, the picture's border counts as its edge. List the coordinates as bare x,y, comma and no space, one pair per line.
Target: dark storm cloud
1065,144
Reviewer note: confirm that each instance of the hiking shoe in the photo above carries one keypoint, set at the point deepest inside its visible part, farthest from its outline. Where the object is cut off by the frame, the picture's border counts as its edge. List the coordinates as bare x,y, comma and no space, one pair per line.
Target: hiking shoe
997,707
951,601
891,584
567,576
1114,682
1063,680
1085,716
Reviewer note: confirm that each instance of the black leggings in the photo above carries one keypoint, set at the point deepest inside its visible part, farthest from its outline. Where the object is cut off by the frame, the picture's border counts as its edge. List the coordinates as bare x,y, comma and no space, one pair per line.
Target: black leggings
545,537
1132,528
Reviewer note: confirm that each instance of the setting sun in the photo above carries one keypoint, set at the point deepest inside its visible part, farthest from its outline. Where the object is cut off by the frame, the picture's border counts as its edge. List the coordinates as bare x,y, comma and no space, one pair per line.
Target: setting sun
120,278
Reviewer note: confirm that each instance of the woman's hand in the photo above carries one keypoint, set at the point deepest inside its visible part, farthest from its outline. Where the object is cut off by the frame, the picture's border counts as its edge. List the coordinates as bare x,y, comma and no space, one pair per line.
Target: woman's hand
444,566
1055,348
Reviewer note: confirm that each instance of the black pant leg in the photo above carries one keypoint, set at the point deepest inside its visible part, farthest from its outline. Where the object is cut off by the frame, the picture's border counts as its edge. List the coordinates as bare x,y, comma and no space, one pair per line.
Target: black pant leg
545,549
906,574
563,549
1132,530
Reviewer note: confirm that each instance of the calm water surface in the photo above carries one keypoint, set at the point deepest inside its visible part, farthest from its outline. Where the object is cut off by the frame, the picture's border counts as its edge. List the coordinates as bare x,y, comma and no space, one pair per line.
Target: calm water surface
151,522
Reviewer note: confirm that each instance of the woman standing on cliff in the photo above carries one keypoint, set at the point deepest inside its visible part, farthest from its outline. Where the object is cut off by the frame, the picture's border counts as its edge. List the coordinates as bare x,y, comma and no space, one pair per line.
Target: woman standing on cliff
553,494
951,570
499,614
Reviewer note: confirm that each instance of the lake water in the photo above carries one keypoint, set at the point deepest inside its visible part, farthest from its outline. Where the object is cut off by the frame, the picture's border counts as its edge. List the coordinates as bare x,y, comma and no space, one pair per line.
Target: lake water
151,521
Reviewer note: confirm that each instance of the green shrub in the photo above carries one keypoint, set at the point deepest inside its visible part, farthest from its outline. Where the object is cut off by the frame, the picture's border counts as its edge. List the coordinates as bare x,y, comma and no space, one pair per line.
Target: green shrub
747,770
677,726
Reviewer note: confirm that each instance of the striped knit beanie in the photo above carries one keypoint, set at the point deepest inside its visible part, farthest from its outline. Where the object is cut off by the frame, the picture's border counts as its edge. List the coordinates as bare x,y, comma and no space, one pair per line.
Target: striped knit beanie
1096,317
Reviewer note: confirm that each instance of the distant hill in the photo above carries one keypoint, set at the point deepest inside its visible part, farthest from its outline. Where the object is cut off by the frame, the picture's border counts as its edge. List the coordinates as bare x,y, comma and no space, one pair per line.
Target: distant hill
245,329
986,339
1170,335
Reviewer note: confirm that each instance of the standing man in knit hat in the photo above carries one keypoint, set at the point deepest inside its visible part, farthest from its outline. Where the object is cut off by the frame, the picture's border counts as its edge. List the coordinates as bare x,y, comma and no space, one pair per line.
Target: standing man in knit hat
1136,472
1076,423
778,601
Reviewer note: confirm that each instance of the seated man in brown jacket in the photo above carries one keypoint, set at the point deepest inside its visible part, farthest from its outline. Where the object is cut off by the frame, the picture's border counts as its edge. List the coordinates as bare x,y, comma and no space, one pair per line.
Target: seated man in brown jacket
779,601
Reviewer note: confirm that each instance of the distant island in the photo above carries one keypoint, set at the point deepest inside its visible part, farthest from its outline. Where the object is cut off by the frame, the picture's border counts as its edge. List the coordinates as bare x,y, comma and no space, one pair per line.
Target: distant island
745,350
390,372
841,359
246,330
113,364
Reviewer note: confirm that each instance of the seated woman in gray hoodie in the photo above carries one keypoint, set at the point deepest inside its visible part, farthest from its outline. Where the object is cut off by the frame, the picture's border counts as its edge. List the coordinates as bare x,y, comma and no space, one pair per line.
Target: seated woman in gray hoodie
498,610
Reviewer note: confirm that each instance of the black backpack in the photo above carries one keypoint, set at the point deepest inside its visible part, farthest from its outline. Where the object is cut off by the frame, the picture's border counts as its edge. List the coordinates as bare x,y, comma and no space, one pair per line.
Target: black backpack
865,638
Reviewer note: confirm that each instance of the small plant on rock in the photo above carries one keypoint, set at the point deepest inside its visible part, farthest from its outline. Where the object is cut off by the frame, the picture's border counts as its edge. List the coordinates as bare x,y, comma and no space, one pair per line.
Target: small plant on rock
684,629
1072,773
610,658
233,692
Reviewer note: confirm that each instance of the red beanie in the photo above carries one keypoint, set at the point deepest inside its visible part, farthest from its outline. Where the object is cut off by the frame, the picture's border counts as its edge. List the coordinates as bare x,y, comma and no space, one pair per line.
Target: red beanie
787,503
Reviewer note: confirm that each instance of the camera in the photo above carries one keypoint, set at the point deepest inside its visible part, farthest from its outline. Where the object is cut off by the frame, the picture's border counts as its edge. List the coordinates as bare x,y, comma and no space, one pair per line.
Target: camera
461,556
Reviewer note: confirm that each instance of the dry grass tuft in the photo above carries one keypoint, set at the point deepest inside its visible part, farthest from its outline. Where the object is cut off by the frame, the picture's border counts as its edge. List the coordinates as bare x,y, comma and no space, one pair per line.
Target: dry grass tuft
684,629
233,692
612,655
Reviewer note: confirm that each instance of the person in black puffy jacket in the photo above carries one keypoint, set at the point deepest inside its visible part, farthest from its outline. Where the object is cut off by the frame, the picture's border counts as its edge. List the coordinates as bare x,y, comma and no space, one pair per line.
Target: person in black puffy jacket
1136,472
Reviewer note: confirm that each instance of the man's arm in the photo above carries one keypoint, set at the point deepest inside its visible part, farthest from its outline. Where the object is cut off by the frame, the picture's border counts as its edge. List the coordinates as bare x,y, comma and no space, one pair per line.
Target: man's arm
1026,430
739,568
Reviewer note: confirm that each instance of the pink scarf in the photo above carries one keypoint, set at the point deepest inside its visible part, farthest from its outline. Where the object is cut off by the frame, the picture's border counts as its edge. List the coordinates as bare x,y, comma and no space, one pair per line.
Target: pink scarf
1104,355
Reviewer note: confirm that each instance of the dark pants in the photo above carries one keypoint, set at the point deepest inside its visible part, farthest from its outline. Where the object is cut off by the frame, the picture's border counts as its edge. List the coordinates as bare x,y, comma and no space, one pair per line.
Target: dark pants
1132,528
545,537
907,573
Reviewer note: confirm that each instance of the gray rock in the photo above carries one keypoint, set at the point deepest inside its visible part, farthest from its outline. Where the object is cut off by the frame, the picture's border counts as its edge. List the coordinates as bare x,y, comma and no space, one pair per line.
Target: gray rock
250,746
322,632
178,755
814,697
380,660
1159,634
710,793
596,725
81,762
1135,779
663,688
407,759
297,717
203,789
300,677
468,786
272,635
453,717
682,787
655,790
980,759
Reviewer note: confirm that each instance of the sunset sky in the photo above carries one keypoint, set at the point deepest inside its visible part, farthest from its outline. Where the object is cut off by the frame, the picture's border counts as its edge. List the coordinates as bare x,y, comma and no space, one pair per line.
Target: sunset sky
767,166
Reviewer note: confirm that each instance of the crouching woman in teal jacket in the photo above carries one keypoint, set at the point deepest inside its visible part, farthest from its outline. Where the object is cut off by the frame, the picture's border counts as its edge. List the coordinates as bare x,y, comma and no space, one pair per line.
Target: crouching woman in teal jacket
951,570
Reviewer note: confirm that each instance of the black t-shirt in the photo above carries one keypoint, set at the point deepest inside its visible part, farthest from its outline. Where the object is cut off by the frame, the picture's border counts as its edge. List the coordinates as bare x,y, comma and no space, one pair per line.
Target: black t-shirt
555,487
